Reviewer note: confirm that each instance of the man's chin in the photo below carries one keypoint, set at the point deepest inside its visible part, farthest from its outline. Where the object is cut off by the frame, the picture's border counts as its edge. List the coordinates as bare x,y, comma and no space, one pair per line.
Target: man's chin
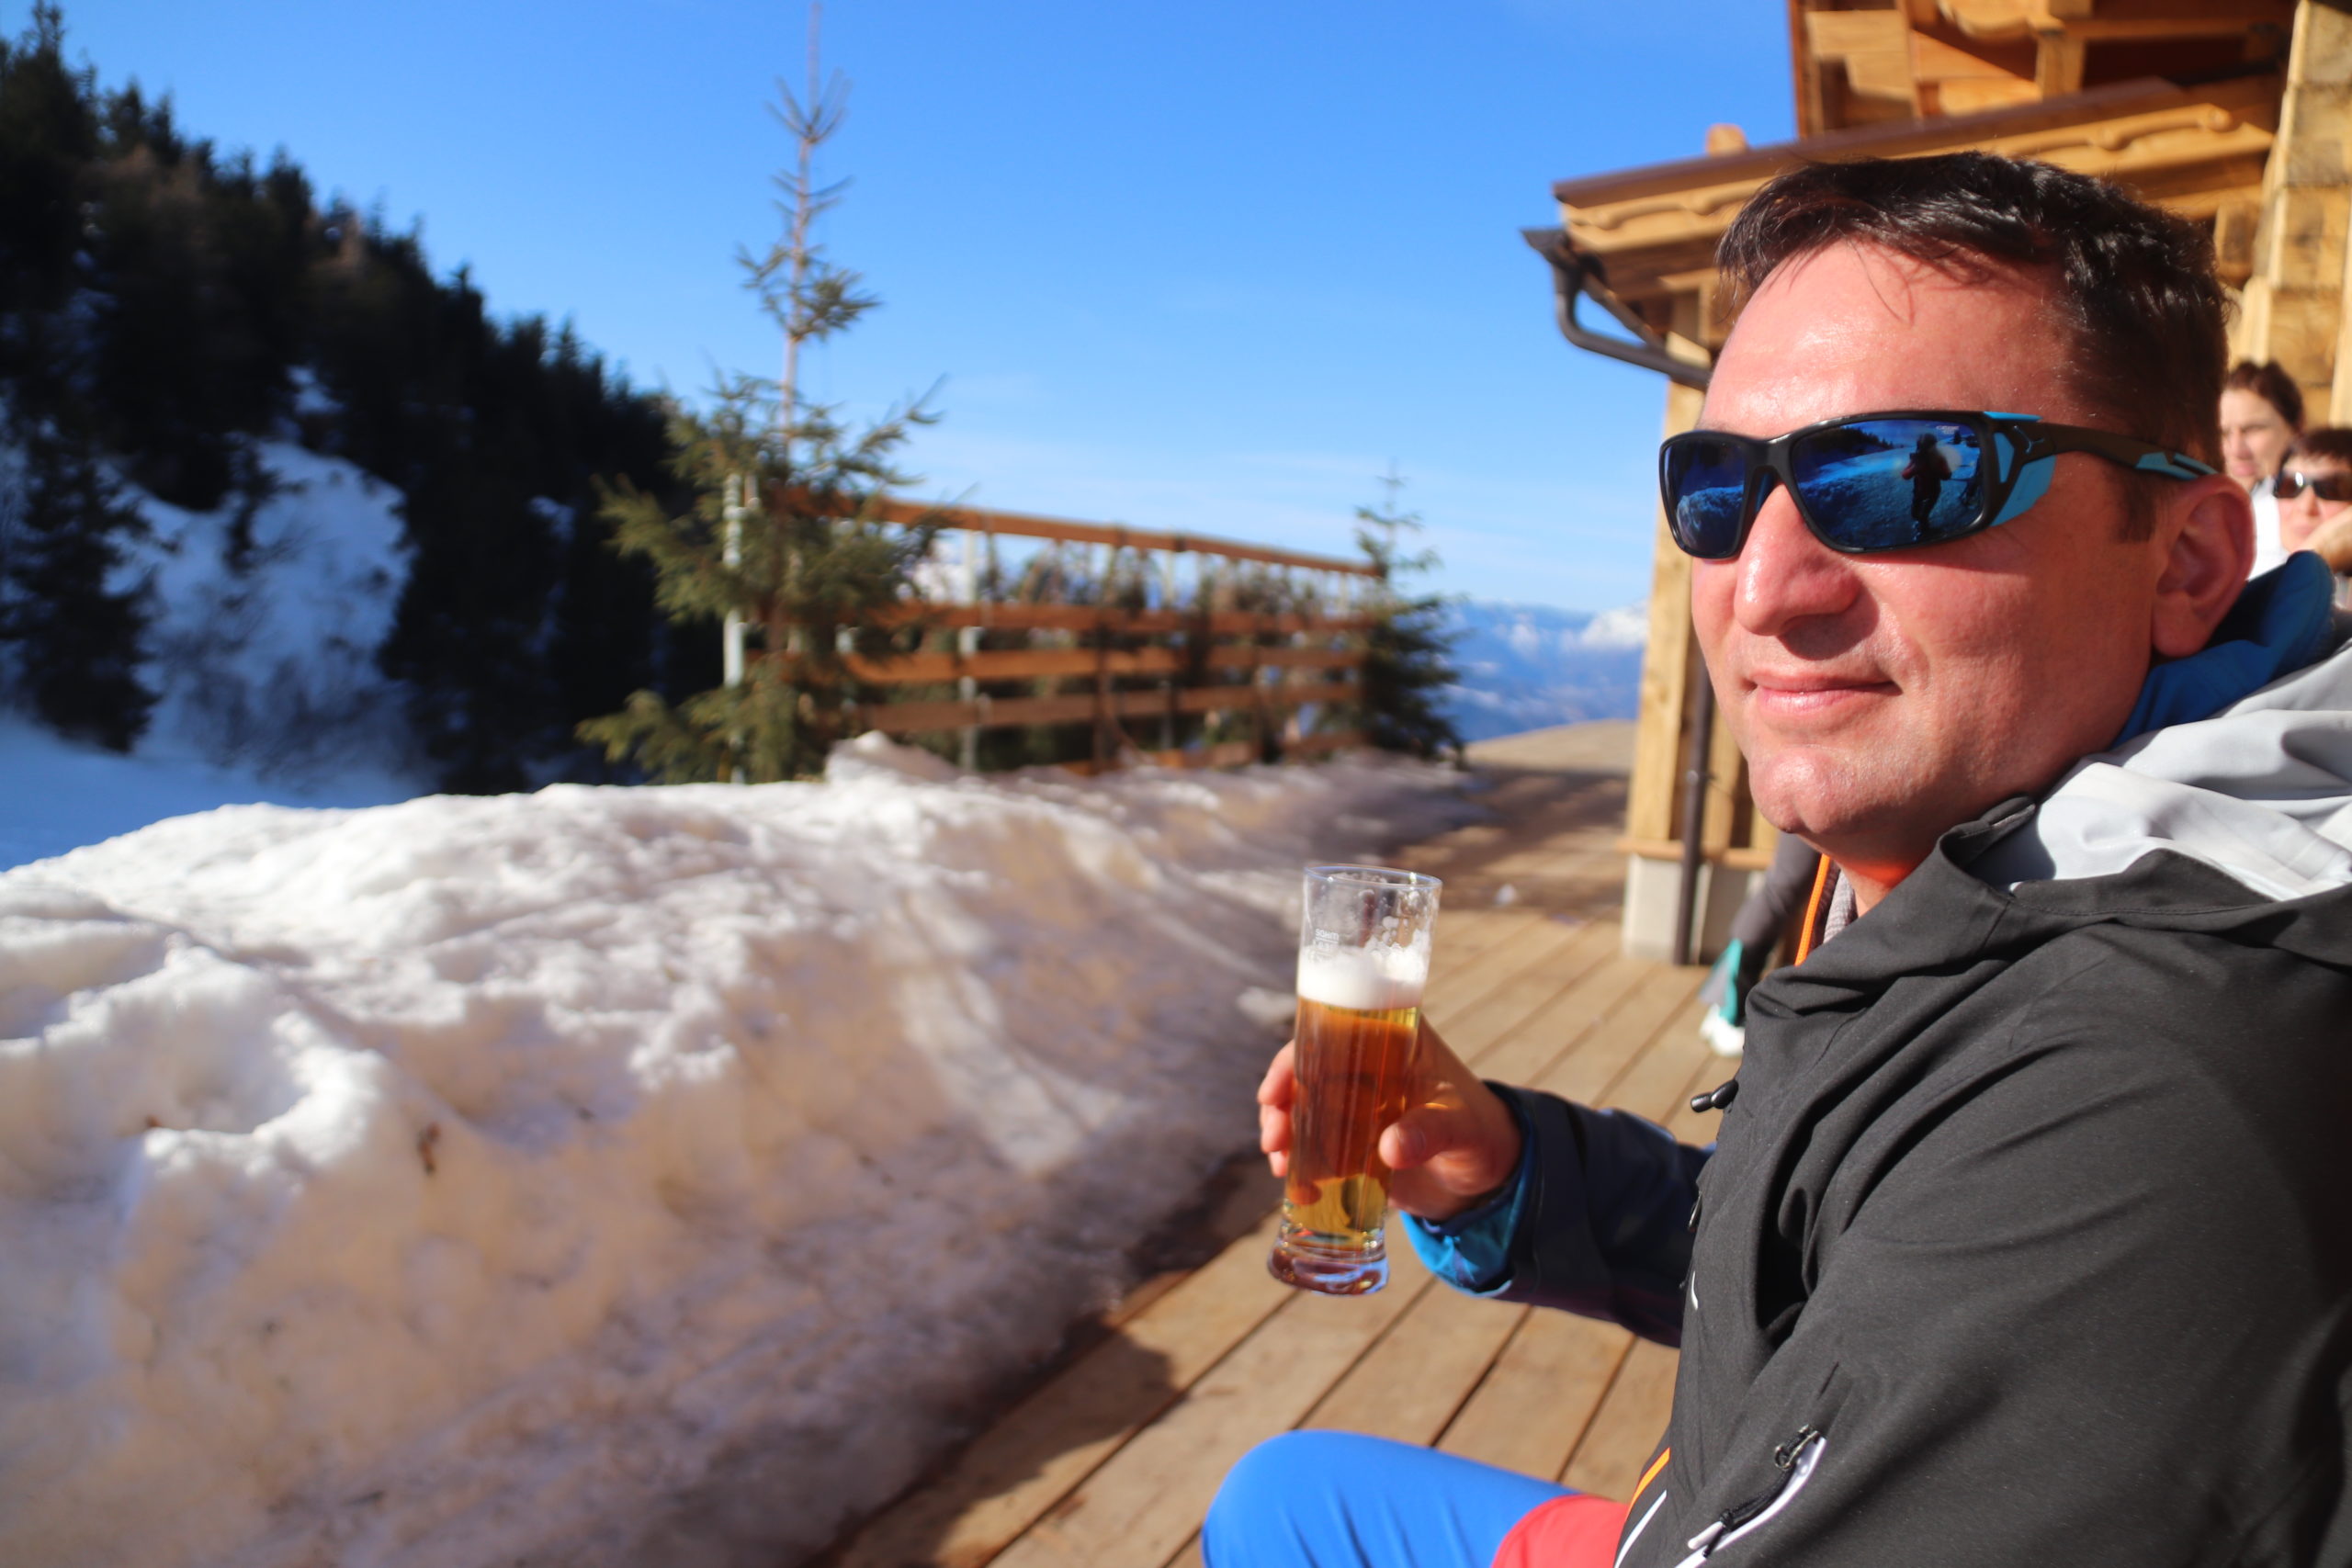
1820,796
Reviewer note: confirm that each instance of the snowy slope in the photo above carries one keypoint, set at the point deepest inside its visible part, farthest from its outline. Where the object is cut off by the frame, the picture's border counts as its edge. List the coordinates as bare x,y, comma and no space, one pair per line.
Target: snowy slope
267,662
1526,666
265,667
57,794
603,1176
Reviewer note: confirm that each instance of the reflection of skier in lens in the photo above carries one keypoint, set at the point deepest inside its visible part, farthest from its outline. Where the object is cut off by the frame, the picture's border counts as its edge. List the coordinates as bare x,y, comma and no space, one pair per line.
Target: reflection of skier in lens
1927,471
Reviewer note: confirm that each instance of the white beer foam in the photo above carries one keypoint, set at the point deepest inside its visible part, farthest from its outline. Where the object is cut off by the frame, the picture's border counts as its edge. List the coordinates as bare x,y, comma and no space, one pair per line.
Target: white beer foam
1364,979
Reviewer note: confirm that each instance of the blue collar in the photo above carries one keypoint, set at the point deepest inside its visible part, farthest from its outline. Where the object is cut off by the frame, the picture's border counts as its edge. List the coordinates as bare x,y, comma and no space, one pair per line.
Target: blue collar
2281,622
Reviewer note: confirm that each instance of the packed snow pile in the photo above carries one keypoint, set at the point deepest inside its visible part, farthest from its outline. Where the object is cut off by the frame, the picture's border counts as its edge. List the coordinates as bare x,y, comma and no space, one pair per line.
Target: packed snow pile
604,1175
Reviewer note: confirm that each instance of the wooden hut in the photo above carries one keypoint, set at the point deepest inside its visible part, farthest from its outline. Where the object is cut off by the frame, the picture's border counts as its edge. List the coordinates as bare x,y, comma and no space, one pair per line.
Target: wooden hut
2237,113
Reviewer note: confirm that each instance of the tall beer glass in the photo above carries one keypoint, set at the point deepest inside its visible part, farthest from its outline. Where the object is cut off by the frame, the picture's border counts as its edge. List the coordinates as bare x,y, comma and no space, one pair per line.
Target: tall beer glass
1363,957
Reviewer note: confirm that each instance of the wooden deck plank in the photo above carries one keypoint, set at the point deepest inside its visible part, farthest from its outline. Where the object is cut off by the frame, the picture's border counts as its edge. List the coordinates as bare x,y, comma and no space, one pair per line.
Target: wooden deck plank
1532,940
1593,1067
1566,1025
1140,1507
1410,1385
1626,1429
1053,1439
1532,1408
1670,1053
1510,1003
1466,933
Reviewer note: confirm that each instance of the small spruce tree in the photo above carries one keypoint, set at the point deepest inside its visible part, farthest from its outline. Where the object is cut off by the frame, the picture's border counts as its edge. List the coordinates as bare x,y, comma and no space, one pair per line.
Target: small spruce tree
782,531
1405,649
73,633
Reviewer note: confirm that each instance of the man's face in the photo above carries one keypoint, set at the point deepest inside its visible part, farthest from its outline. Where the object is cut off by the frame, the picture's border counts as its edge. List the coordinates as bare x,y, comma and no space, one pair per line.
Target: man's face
2255,436
1882,698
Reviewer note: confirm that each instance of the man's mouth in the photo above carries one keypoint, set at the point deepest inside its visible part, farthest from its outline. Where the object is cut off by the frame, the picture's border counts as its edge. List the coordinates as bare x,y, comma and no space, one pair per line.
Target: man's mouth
1810,693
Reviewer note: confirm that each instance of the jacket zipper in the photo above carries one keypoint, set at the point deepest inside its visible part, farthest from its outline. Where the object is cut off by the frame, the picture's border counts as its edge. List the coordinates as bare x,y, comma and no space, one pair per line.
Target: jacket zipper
1795,1460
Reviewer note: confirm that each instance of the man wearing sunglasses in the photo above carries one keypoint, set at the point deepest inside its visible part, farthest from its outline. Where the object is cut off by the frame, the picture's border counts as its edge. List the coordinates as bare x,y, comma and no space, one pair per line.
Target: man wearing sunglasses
2029,1236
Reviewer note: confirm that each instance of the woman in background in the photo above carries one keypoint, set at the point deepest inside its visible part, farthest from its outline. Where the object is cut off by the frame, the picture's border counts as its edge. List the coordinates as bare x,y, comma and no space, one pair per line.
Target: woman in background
2262,412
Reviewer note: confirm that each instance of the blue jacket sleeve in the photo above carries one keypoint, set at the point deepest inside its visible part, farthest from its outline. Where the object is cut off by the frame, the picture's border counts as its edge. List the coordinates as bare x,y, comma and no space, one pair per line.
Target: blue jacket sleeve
1604,1223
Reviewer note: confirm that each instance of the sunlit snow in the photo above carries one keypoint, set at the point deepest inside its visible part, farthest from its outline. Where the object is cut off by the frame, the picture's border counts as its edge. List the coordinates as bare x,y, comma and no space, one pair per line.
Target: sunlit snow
605,1176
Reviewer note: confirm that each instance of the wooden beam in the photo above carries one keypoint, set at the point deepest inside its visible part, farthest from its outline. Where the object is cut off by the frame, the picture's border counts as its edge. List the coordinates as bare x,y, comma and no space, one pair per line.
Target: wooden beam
984,713
2294,297
1811,110
1329,740
2057,63
935,667
1667,663
931,667
1093,617
1645,224
1024,525
1875,47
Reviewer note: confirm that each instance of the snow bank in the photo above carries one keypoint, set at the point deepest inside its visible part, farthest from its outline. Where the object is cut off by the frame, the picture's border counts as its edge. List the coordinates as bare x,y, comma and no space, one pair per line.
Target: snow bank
264,646
604,1175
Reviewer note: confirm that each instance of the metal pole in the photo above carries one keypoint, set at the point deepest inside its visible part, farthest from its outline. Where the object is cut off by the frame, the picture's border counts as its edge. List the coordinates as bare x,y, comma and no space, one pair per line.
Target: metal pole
1694,809
732,654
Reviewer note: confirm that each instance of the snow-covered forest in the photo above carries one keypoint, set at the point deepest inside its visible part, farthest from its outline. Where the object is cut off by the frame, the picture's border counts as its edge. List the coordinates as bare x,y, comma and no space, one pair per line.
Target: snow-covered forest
271,482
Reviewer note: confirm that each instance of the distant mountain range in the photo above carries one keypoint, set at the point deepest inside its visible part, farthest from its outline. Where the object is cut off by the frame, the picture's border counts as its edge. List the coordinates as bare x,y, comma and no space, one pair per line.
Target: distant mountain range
1527,666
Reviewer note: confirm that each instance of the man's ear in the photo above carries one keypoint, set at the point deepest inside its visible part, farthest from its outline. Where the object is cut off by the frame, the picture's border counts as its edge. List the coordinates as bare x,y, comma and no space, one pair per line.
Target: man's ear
2207,534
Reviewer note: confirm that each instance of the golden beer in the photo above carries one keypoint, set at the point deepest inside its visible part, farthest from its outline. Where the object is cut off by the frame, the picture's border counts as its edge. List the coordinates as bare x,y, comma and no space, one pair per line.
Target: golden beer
1363,957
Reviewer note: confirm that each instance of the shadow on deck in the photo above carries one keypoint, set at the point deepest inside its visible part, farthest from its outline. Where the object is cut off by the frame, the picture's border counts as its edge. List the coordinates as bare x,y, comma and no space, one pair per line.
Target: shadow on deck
1111,1463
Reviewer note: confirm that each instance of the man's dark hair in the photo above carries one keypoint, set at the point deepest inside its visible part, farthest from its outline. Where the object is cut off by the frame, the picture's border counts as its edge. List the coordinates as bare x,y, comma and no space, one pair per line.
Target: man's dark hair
2272,385
2326,443
2135,284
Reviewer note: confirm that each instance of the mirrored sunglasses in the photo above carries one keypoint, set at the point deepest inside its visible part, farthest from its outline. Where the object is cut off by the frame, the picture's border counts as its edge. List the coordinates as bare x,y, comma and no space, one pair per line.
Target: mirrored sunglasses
2292,482
1883,481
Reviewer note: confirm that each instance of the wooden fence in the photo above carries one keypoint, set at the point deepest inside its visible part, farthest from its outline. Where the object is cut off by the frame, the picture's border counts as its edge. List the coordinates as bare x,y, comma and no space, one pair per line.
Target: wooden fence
1140,675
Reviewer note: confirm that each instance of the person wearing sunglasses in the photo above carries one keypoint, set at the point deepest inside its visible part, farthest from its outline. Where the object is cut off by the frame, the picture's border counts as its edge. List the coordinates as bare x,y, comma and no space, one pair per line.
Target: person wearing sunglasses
2262,412
2315,500
2026,1238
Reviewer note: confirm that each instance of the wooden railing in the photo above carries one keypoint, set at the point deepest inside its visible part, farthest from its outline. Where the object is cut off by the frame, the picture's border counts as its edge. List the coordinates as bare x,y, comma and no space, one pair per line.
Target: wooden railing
1203,659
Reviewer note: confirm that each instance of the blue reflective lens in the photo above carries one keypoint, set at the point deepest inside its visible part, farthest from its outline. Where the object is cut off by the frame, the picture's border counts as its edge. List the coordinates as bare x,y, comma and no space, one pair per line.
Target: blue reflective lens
1885,484
1708,482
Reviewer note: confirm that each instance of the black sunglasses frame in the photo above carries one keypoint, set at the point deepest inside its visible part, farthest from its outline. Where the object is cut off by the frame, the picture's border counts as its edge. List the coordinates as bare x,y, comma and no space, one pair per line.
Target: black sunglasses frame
2008,441
2319,485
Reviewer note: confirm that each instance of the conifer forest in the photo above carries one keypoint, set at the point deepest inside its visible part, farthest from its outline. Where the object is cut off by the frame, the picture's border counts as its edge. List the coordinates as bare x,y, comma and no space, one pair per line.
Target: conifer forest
165,308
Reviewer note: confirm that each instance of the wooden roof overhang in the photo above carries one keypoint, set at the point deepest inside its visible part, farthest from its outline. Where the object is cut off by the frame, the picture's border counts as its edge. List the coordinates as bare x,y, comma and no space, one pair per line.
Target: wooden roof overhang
1649,233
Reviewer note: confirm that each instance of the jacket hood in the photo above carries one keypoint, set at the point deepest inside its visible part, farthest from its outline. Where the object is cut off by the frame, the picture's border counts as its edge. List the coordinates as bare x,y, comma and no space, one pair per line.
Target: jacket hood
2260,792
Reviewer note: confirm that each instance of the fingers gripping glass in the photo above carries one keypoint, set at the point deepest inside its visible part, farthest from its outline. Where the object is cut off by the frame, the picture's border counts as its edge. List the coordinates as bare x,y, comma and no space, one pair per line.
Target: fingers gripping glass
1882,481
2328,487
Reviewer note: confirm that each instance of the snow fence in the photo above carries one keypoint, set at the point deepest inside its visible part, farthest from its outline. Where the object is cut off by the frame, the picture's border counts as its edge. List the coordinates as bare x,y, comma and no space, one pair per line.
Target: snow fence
604,1175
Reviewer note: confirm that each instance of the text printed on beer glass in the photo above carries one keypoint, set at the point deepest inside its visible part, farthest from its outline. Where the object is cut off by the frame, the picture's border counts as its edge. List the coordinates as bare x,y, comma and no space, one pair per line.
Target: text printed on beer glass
1364,959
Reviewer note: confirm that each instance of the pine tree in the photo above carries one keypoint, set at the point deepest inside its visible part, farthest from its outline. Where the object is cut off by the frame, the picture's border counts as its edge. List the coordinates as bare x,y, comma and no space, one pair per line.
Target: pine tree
74,637
1405,655
782,533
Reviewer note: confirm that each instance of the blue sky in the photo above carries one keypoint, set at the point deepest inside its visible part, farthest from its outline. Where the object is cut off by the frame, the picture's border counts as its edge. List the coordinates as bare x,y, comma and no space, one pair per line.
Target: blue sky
1210,267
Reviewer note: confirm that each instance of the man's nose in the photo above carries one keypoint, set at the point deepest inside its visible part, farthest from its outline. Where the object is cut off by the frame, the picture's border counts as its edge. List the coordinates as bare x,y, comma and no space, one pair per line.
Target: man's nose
1785,574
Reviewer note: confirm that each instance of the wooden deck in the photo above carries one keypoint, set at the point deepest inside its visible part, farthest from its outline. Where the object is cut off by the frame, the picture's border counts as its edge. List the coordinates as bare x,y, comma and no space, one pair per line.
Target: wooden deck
1112,1463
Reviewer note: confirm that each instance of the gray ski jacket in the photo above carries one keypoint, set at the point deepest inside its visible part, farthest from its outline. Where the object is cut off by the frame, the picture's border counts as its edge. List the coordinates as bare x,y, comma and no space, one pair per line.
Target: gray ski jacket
2027,1239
